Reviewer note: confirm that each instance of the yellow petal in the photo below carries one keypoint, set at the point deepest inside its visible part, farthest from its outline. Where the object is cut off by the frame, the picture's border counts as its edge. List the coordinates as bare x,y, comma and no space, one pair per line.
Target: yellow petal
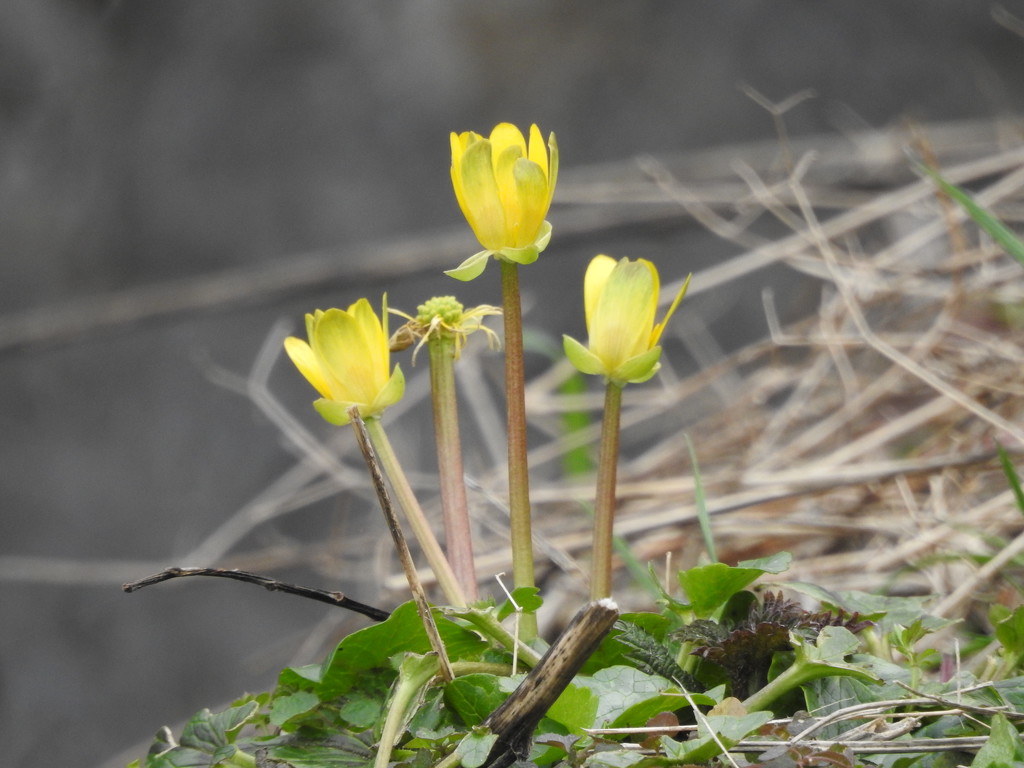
302,355
374,341
506,135
508,191
624,315
593,283
538,152
532,193
480,201
345,356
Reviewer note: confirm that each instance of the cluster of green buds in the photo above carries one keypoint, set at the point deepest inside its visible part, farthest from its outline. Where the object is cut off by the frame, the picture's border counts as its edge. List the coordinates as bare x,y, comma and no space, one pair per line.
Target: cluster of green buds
443,317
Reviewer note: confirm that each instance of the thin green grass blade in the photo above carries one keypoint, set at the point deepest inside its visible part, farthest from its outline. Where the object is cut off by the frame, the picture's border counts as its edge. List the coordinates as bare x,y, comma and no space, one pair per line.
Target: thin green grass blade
998,231
1011,475
700,503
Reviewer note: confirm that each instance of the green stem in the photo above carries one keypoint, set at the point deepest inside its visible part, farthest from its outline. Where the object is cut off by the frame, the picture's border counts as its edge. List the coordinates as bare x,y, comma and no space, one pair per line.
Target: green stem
413,676
420,527
241,759
788,679
604,504
487,624
518,472
458,536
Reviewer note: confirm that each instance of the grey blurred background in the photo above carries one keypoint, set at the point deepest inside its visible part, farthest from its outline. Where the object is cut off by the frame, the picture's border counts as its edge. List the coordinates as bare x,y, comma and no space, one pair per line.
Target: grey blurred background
178,176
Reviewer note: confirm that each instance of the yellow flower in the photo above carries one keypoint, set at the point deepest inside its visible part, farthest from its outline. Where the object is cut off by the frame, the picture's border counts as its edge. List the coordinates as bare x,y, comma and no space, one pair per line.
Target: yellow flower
347,361
504,189
621,300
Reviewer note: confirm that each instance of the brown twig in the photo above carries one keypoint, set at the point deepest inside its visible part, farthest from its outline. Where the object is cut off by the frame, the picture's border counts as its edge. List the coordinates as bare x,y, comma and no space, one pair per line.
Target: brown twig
338,599
515,720
404,555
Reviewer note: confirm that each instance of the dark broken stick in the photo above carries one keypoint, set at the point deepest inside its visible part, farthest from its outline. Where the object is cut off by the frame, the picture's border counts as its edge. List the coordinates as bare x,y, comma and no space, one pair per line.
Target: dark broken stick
515,720
338,599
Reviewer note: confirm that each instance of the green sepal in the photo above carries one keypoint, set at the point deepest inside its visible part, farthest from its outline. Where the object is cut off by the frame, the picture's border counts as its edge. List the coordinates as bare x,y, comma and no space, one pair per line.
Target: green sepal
333,411
582,358
528,254
390,394
471,268
637,369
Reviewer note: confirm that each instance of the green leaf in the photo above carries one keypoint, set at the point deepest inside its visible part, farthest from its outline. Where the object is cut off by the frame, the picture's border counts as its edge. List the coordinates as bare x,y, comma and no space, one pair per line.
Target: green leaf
475,748
884,610
181,757
998,231
667,700
474,697
527,598
208,732
709,587
1003,748
373,647
620,687
616,759
1010,632
613,651
575,708
1012,691
284,708
361,712
777,563
714,732
340,751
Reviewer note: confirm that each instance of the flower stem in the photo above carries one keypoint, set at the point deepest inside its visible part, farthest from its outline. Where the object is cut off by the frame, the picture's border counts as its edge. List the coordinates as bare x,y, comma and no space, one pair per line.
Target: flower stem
604,506
518,472
458,537
420,527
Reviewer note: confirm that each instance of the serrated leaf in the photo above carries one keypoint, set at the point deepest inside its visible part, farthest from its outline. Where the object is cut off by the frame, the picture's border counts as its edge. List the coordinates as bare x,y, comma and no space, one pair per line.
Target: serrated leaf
649,655
885,610
612,651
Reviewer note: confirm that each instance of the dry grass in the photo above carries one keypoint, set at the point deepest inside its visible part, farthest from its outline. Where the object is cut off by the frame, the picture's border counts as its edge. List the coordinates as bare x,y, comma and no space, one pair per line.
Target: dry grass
862,439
